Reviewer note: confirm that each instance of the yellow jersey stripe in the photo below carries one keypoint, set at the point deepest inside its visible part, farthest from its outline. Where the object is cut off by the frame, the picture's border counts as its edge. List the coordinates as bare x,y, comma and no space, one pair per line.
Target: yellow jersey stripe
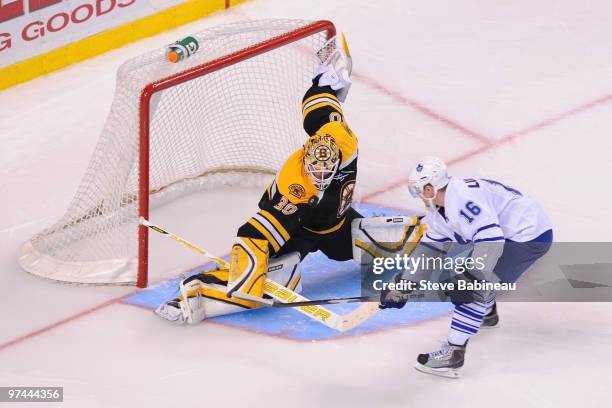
329,230
279,227
321,95
265,233
320,105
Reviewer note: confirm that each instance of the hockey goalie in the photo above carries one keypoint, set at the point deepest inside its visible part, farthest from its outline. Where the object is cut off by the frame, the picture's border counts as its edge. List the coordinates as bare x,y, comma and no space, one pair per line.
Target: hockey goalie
306,208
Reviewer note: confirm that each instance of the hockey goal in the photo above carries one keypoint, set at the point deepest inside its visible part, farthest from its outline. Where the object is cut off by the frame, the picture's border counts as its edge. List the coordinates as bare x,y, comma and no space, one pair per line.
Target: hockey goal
228,115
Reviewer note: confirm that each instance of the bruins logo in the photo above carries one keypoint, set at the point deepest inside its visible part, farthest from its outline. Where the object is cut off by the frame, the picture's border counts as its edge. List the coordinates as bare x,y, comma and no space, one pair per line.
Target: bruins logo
322,153
346,197
297,190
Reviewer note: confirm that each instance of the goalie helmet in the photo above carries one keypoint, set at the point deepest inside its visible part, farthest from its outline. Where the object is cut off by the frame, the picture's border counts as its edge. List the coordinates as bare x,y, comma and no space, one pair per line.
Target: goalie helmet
321,160
430,170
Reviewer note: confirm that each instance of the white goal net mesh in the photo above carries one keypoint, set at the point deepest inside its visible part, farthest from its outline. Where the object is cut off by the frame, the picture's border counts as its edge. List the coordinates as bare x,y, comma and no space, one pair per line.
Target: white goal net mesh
232,126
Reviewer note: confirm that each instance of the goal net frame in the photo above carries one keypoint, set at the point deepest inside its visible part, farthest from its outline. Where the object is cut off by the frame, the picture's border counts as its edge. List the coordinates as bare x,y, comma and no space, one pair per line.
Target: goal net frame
35,261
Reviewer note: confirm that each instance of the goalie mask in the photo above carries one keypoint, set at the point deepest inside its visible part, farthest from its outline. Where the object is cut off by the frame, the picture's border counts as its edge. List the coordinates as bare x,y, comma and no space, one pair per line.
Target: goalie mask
321,160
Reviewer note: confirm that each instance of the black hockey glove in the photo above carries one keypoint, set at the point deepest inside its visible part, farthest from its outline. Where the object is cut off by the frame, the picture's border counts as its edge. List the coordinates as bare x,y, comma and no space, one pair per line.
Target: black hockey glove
394,298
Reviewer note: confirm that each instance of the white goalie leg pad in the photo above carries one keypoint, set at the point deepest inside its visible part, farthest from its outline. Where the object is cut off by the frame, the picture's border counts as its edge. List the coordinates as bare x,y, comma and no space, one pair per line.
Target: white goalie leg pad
285,270
190,310
196,308
215,308
193,308
377,237
171,311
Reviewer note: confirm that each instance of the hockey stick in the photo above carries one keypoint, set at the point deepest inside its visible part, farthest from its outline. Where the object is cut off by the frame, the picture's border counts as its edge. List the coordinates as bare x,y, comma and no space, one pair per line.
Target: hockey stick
284,295
180,240
333,301
336,301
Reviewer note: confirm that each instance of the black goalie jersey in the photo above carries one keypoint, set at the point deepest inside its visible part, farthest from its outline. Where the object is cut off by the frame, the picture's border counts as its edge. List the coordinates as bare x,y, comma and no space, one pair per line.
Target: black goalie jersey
296,216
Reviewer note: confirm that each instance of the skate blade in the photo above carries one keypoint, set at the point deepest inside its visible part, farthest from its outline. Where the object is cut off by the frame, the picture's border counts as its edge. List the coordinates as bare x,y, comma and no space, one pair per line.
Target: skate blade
441,372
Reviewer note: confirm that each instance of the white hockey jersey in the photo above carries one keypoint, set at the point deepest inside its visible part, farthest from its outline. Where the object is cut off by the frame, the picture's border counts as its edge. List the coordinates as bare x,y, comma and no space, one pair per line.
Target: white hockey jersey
481,210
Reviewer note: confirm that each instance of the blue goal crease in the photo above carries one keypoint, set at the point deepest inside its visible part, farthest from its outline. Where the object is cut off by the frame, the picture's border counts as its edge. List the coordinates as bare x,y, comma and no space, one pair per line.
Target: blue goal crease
321,278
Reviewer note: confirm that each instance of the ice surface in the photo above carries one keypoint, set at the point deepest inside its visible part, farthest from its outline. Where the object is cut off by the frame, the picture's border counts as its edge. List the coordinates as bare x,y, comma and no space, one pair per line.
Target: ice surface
518,91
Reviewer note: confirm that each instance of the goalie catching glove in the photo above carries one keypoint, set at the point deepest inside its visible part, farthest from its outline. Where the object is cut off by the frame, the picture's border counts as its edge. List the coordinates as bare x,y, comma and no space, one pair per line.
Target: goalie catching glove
336,67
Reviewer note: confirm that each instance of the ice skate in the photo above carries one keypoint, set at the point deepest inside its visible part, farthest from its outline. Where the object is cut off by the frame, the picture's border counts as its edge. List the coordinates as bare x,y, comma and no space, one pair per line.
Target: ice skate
491,319
444,362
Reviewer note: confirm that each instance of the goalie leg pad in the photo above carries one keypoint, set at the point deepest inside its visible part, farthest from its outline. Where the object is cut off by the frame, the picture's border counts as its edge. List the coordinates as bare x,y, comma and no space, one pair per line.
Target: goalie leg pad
285,269
189,308
212,285
171,311
198,309
248,268
202,296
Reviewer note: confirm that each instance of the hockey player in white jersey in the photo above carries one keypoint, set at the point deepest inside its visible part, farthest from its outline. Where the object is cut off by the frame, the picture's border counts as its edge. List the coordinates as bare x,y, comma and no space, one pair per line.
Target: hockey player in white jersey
490,216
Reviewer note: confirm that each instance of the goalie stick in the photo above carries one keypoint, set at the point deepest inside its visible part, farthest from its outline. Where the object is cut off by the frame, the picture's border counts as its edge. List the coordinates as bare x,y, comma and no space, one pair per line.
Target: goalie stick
332,301
285,296
335,301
